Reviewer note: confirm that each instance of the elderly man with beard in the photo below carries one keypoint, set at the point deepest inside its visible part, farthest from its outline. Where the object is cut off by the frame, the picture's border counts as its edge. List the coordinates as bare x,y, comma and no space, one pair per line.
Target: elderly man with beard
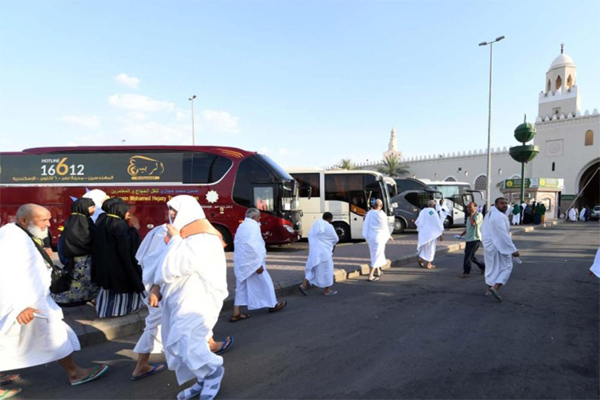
32,331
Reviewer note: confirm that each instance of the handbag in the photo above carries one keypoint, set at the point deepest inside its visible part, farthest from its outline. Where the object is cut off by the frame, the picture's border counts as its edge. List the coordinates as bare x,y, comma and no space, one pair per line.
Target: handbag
61,278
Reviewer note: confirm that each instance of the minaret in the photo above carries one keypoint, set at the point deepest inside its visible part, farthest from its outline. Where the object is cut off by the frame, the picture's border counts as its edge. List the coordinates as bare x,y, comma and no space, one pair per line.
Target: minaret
392,146
560,95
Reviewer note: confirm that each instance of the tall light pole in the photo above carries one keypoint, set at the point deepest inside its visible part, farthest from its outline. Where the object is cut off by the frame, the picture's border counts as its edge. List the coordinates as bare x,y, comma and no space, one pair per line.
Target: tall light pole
489,148
193,134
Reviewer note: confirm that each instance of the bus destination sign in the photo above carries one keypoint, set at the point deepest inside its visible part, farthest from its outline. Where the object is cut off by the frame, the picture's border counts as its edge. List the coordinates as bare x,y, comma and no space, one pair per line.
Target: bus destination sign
90,168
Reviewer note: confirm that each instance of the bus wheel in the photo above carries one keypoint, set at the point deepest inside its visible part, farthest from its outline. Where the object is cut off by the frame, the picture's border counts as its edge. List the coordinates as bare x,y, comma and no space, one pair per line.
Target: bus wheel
399,225
226,237
343,231
447,223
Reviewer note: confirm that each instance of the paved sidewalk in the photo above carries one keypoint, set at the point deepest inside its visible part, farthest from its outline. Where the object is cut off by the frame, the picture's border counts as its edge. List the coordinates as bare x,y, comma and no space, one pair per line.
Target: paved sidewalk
286,267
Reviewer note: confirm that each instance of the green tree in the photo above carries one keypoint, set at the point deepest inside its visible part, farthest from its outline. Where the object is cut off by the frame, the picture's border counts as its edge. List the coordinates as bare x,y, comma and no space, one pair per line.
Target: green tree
393,167
346,163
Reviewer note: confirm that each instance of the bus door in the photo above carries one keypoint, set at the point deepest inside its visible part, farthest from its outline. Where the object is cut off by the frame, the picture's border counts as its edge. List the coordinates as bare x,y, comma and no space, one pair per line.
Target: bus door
311,203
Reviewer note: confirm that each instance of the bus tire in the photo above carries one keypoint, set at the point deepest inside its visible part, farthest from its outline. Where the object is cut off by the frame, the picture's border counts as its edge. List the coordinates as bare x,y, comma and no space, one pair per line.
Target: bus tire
399,225
448,223
226,237
343,231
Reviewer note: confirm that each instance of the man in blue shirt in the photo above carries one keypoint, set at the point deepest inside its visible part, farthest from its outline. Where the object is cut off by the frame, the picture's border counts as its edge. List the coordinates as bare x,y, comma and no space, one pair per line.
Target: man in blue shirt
473,237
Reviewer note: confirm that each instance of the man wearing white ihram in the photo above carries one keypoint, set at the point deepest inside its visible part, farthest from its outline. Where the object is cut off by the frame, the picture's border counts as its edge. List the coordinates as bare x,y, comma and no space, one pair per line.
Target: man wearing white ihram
430,227
192,279
32,330
499,248
254,286
322,239
376,232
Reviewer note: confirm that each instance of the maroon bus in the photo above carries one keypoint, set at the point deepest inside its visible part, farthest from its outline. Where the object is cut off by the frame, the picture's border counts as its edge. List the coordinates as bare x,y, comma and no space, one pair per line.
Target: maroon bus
226,181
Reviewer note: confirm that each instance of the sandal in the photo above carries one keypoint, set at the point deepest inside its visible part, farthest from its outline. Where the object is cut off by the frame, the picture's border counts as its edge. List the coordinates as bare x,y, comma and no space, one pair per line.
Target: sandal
155,369
240,317
191,392
302,290
227,343
280,306
96,373
496,295
331,293
465,276
8,379
8,393
375,279
212,384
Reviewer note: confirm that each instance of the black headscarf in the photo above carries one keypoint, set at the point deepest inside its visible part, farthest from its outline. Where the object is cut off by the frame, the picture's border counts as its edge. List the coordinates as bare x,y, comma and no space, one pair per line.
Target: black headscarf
114,266
105,206
77,238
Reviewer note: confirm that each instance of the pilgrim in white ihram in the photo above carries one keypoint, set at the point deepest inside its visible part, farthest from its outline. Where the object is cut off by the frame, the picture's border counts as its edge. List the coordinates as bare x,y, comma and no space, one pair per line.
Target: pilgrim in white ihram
572,214
322,239
498,248
430,228
254,286
377,233
595,268
192,279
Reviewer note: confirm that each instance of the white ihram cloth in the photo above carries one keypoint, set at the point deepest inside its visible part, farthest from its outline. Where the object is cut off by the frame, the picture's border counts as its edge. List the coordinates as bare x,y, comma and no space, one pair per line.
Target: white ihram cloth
596,265
572,215
149,255
430,228
249,254
442,211
376,232
516,219
98,196
319,266
582,214
192,276
25,282
498,248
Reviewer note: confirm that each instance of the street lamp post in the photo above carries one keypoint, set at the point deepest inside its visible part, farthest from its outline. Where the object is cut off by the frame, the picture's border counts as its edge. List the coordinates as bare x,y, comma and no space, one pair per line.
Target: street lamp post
193,133
489,147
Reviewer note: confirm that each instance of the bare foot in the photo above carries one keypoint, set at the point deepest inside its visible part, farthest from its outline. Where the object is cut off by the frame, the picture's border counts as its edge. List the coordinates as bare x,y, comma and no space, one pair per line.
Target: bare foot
142,369
80,373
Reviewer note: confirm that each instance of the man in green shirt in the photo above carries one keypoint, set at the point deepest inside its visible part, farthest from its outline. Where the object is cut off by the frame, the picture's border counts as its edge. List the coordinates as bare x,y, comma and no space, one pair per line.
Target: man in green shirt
473,237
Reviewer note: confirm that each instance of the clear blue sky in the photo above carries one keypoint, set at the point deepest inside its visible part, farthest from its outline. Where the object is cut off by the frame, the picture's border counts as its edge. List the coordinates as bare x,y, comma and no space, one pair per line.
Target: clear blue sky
306,82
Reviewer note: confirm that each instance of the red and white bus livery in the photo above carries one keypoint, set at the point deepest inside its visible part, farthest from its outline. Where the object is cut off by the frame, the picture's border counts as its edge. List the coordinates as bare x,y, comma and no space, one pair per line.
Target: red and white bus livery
226,181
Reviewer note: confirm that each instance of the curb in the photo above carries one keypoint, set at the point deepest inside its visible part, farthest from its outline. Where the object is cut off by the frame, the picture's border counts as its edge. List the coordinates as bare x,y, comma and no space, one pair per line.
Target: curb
98,331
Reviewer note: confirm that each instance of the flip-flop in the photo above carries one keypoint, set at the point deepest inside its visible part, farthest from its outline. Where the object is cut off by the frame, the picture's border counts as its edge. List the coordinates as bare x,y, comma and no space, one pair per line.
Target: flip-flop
277,308
155,369
331,293
496,295
98,371
8,393
238,318
225,346
191,392
302,290
8,379
374,279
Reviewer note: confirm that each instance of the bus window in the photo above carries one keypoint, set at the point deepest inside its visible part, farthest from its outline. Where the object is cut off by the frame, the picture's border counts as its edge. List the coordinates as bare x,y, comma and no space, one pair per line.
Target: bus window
306,181
336,187
263,198
204,168
249,172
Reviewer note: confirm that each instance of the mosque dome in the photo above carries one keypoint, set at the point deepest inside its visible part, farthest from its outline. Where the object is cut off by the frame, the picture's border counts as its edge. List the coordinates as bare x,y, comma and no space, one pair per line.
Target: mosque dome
562,60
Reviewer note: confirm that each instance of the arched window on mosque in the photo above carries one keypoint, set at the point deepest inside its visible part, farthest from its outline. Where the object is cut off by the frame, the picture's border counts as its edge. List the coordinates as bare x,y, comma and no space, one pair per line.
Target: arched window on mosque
481,182
589,138
569,82
450,179
558,83
548,86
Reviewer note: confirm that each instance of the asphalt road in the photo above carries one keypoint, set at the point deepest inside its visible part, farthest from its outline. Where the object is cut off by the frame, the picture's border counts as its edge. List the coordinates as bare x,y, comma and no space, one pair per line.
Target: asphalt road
414,334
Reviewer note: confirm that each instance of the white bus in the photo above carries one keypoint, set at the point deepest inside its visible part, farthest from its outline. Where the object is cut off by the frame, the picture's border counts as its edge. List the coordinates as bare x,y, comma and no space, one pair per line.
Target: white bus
345,194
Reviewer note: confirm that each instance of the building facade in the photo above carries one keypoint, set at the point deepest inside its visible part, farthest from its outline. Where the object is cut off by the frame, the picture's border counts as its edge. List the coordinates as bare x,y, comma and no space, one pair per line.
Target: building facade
567,137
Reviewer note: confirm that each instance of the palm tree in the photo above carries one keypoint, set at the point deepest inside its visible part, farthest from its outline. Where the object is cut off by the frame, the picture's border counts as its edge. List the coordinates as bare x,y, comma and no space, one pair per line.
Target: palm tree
346,163
393,167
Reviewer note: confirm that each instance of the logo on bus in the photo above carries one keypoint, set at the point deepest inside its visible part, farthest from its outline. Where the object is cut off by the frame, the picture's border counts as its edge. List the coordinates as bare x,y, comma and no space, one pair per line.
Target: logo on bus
141,167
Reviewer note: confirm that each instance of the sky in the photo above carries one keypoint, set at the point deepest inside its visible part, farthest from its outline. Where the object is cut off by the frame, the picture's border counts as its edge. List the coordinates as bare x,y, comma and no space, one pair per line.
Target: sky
306,82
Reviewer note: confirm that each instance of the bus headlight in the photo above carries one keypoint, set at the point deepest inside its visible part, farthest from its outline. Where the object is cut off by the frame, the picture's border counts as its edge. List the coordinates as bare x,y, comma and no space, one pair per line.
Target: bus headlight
289,228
